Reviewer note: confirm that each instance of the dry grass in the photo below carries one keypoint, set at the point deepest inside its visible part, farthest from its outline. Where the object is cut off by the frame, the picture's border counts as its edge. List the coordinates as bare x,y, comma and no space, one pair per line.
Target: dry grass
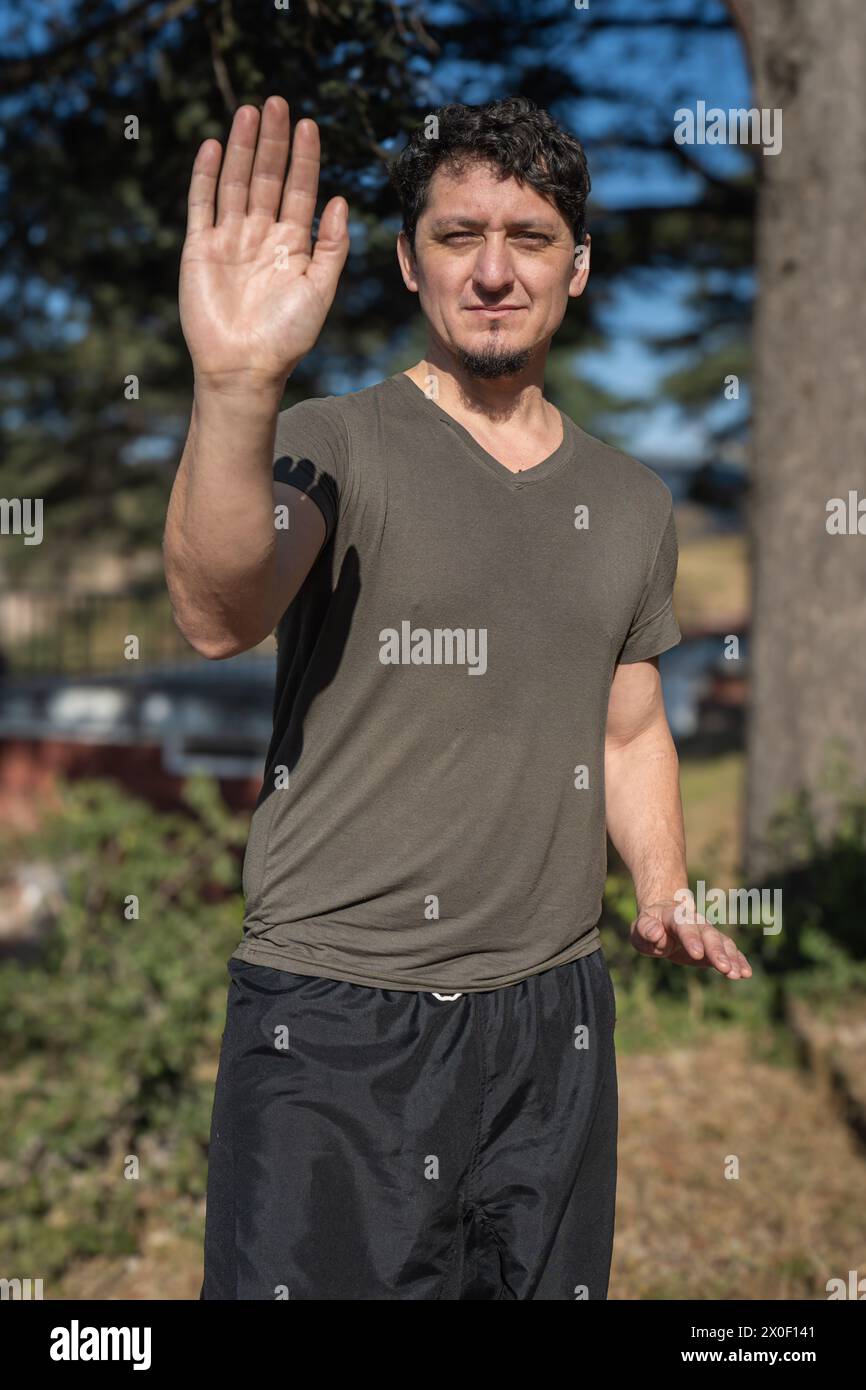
168,1267
794,1217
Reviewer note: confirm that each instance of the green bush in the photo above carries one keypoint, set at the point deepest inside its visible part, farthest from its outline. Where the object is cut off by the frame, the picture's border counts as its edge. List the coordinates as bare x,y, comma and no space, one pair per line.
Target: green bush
111,1038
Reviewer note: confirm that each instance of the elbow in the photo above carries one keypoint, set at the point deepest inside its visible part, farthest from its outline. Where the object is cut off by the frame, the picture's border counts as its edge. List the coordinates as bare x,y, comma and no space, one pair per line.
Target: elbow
212,645
220,648
201,627
215,645
215,648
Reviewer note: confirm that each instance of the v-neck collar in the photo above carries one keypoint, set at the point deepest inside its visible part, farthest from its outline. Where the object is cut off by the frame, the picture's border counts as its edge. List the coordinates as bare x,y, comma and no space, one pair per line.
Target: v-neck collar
548,466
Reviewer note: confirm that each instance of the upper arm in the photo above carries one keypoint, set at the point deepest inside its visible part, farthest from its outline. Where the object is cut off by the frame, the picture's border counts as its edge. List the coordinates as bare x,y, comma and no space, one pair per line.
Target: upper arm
298,543
636,702
311,473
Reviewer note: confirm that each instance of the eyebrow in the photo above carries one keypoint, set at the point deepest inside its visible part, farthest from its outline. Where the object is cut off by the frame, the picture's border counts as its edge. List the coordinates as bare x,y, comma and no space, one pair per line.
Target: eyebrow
441,224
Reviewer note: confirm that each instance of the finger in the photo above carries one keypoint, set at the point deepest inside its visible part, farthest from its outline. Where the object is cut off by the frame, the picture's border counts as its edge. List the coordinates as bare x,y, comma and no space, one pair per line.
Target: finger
744,966
733,957
202,186
332,248
234,184
298,205
715,946
691,939
272,151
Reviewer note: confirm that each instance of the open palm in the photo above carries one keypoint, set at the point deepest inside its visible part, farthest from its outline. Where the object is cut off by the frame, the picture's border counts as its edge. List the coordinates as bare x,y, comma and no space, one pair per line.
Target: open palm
253,293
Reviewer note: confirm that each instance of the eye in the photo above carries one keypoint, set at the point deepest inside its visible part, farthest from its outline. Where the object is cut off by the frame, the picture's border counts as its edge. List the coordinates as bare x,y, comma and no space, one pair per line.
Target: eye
537,237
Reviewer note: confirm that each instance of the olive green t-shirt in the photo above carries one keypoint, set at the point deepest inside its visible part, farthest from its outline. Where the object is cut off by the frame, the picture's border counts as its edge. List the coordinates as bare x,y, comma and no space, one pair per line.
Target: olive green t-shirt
432,815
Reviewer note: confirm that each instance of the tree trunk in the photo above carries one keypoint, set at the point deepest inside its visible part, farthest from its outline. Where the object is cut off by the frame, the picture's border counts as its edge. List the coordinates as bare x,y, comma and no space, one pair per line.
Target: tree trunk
808,649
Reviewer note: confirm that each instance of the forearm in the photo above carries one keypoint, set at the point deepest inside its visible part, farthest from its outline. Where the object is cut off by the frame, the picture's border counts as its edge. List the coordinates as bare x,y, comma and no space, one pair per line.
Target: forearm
644,812
220,541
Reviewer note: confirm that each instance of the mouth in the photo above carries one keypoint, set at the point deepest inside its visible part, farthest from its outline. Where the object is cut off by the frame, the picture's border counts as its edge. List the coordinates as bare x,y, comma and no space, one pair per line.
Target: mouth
499,312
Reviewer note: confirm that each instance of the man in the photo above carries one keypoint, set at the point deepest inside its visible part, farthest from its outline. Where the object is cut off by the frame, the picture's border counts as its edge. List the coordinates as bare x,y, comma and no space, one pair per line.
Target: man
417,1088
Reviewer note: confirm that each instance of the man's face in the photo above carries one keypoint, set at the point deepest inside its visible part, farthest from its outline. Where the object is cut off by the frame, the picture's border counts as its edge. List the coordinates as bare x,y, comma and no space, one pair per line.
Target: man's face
494,267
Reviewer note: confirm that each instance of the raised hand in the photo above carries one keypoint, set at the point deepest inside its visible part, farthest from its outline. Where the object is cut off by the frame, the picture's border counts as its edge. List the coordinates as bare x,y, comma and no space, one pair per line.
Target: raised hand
253,293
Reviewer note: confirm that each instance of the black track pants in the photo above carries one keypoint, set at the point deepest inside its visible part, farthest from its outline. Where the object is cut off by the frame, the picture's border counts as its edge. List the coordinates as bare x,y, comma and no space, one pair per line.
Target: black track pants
391,1144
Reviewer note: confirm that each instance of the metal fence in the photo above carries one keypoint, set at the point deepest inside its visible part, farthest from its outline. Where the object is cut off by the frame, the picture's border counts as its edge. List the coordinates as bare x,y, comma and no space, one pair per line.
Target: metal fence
51,632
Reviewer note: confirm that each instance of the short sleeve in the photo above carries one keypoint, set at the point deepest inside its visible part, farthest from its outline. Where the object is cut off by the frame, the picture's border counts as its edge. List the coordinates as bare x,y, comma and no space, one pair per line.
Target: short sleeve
311,453
654,628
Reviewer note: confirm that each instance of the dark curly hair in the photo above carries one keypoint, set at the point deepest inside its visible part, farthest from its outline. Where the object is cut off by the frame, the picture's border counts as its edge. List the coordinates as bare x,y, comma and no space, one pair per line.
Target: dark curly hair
513,135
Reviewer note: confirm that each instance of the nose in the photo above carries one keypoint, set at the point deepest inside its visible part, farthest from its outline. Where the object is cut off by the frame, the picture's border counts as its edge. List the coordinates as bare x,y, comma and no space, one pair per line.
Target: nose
492,271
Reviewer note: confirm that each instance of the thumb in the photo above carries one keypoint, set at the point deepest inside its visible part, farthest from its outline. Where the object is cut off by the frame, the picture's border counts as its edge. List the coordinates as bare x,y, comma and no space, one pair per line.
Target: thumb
648,932
331,248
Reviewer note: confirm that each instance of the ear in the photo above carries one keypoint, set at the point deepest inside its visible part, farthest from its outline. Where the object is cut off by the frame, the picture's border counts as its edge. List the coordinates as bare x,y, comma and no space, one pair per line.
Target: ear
581,268
406,261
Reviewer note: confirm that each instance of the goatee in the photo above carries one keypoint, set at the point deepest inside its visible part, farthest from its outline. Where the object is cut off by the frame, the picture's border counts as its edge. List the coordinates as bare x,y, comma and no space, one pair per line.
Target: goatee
491,362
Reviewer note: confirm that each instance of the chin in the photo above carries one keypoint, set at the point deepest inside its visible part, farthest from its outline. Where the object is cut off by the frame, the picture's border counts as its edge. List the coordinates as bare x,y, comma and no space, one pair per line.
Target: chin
488,358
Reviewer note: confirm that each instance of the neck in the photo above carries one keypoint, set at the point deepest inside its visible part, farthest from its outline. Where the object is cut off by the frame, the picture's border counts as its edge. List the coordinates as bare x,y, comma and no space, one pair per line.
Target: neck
518,397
